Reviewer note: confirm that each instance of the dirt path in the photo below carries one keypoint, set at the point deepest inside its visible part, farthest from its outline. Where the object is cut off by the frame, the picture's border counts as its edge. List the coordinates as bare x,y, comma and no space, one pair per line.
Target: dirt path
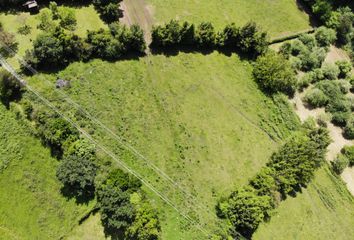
140,13
338,141
336,54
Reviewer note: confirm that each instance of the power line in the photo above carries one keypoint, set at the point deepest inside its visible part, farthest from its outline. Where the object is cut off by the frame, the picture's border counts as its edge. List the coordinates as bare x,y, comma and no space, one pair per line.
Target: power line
9,68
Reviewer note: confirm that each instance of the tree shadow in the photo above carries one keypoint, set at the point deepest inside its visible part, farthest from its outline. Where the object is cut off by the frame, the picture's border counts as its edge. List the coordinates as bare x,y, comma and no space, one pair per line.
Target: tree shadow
302,6
80,198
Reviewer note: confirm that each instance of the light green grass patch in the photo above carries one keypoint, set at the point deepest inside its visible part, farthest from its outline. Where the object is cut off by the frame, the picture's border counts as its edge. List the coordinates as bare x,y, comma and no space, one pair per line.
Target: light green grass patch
31,205
279,17
196,117
324,210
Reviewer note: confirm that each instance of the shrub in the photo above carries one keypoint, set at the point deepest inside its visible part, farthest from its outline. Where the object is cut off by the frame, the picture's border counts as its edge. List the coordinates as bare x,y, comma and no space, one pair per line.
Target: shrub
297,47
344,68
8,41
46,22
325,36
67,18
304,81
24,29
229,36
308,40
343,85
77,174
312,59
322,119
316,98
330,71
348,152
274,73
339,164
340,118
295,63
285,49
168,35
349,128
264,182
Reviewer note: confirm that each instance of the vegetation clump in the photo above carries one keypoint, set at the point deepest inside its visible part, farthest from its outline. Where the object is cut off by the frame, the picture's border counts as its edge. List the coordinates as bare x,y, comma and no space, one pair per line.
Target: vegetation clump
274,73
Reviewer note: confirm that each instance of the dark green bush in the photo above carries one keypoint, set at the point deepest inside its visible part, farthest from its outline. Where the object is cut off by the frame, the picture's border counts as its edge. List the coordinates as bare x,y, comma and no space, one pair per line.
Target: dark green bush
340,163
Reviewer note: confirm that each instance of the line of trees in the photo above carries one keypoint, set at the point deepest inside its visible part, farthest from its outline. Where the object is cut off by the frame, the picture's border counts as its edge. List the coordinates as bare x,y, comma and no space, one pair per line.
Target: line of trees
289,169
248,39
125,209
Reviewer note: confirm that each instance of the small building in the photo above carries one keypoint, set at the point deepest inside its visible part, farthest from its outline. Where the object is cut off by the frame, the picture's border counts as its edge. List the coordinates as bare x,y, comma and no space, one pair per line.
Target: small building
32,6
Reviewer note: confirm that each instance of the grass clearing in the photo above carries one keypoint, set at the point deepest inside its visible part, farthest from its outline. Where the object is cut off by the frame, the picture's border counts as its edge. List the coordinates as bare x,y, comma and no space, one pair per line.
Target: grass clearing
31,205
199,118
278,17
324,210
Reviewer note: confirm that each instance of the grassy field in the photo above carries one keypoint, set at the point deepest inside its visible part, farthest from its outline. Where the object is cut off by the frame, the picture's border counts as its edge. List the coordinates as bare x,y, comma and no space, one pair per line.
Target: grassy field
31,206
279,17
199,118
325,210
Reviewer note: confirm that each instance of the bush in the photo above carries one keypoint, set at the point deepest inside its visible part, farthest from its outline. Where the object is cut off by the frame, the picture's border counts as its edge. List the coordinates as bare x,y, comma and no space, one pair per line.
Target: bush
67,18
297,47
349,128
340,118
343,85
330,71
8,41
339,164
295,63
274,73
264,182
285,49
322,119
24,29
325,36
252,40
316,98
312,59
348,152
345,68
308,40
77,174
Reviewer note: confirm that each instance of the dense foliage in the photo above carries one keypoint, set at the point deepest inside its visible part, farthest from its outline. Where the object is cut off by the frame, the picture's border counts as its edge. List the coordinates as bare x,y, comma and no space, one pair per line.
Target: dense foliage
248,39
274,73
108,9
289,169
7,41
10,88
119,214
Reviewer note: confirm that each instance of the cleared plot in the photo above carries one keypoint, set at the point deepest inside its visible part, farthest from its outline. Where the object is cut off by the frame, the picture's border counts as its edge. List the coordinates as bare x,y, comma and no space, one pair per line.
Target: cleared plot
31,206
325,210
276,16
199,118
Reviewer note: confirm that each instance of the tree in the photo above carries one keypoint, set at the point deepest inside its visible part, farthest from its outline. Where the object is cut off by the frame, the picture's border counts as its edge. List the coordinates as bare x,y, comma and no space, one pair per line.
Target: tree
48,50
230,36
344,25
146,225
274,73
108,9
205,35
10,87
124,181
117,212
297,159
308,40
137,41
246,210
252,40
264,183
325,36
78,173
312,59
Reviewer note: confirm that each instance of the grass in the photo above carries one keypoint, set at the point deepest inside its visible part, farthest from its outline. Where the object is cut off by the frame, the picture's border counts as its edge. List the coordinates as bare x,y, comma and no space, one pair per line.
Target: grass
325,210
200,118
278,17
31,206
